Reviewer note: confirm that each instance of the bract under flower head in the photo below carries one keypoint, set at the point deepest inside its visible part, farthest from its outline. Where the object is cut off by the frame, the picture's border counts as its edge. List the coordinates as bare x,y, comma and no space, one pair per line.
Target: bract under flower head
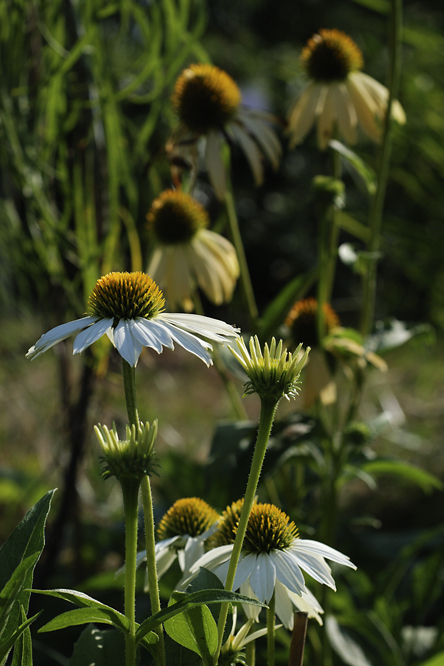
130,458
273,373
127,308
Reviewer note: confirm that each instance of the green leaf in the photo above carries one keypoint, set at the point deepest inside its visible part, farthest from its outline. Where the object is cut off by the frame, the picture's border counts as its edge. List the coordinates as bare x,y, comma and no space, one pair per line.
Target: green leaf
23,646
358,165
27,540
352,226
190,601
15,636
280,306
13,588
411,473
436,660
101,648
195,629
85,616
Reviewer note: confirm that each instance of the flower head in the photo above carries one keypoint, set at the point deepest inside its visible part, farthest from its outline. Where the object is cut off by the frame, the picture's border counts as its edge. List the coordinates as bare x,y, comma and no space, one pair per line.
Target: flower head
338,93
187,252
131,457
208,104
273,372
302,320
271,562
127,307
183,530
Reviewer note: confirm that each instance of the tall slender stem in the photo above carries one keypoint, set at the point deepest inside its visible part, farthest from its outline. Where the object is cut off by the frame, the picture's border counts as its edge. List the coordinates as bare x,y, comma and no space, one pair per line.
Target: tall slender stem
130,491
376,210
271,631
129,383
147,503
245,280
268,411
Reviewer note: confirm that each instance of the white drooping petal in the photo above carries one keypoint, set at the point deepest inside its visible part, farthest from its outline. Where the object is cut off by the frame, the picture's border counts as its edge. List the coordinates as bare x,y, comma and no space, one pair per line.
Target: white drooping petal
213,329
246,565
251,612
318,548
263,577
127,345
317,568
263,134
288,571
327,118
251,151
191,343
283,606
214,557
58,334
91,334
145,333
214,163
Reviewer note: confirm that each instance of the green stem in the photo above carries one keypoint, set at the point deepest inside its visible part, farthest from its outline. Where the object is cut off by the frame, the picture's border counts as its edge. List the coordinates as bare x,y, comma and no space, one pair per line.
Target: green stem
129,384
150,541
245,280
271,631
376,210
268,411
130,491
250,653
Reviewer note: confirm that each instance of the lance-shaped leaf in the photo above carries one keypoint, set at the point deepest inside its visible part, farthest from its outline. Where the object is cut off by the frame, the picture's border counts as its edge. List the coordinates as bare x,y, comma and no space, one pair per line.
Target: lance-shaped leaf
194,628
190,601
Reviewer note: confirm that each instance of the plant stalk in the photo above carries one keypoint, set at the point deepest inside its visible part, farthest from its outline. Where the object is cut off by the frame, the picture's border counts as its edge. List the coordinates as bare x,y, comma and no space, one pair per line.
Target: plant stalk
268,412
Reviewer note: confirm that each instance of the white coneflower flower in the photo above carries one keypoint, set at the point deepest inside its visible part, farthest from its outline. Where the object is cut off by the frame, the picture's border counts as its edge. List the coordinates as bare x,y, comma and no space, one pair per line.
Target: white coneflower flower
272,559
208,104
128,308
183,531
339,95
187,253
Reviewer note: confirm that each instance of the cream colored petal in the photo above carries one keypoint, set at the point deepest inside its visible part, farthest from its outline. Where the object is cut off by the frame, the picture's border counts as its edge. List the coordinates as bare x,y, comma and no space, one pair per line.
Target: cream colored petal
205,272
303,114
212,275
250,149
264,135
346,114
157,266
223,249
178,279
327,117
215,165
365,106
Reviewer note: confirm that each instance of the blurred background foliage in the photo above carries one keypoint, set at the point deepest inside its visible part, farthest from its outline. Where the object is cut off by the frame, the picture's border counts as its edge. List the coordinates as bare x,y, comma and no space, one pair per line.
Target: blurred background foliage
84,116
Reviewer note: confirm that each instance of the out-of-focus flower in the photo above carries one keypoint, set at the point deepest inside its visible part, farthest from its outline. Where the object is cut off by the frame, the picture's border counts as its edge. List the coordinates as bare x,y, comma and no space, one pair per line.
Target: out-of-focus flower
127,307
188,253
183,531
271,561
338,94
208,104
345,345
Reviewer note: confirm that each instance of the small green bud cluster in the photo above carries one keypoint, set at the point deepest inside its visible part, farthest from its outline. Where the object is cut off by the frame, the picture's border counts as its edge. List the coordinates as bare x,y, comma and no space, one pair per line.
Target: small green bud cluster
274,373
130,458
